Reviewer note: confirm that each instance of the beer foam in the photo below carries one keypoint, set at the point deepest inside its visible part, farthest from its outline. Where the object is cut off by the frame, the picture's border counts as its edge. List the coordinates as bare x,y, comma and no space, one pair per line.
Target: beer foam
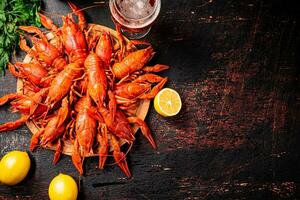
135,8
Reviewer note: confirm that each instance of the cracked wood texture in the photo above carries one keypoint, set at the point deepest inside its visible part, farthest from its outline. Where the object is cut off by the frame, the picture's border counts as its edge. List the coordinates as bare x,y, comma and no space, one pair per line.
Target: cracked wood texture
235,66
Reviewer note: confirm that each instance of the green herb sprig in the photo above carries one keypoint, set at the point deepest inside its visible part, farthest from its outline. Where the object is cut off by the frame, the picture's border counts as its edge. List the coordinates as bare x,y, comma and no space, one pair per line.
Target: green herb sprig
14,13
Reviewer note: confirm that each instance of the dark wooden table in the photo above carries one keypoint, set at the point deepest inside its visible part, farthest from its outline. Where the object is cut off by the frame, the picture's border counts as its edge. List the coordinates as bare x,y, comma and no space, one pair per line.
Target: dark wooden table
235,66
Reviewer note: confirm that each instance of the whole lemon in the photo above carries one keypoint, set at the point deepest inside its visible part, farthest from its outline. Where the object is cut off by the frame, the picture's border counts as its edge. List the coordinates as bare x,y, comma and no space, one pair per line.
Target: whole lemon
14,167
63,187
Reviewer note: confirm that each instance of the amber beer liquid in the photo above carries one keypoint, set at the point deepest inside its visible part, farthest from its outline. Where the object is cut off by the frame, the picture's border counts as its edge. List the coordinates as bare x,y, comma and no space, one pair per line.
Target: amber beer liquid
135,17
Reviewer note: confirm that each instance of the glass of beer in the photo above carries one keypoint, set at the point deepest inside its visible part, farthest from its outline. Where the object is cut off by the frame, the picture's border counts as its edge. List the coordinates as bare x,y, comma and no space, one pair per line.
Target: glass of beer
134,17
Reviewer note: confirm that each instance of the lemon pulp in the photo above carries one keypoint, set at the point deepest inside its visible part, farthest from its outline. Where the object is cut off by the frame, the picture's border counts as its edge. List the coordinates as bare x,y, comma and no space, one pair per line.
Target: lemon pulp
167,102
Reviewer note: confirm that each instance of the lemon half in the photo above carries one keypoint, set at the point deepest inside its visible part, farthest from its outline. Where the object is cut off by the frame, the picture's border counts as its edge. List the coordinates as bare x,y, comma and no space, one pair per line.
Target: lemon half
167,102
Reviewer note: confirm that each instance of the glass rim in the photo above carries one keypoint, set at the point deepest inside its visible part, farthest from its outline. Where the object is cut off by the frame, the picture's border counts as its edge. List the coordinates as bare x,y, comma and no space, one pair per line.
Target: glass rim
135,19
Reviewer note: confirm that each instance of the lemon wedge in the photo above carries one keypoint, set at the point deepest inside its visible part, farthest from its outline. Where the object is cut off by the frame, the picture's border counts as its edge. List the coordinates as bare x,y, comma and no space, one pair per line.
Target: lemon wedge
167,102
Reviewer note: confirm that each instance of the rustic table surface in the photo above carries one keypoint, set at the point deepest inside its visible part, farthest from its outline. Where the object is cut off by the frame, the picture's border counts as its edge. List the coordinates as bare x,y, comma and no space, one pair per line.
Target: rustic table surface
237,137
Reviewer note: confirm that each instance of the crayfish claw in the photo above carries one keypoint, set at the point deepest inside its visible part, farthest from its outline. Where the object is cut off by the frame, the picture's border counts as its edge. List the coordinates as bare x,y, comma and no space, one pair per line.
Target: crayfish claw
156,68
9,97
145,130
76,158
154,90
103,145
120,157
80,15
48,23
13,125
57,152
35,140
36,30
112,105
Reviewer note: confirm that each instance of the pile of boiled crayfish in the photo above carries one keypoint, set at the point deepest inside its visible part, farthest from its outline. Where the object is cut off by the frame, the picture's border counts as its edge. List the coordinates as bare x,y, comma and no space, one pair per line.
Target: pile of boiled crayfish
82,88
